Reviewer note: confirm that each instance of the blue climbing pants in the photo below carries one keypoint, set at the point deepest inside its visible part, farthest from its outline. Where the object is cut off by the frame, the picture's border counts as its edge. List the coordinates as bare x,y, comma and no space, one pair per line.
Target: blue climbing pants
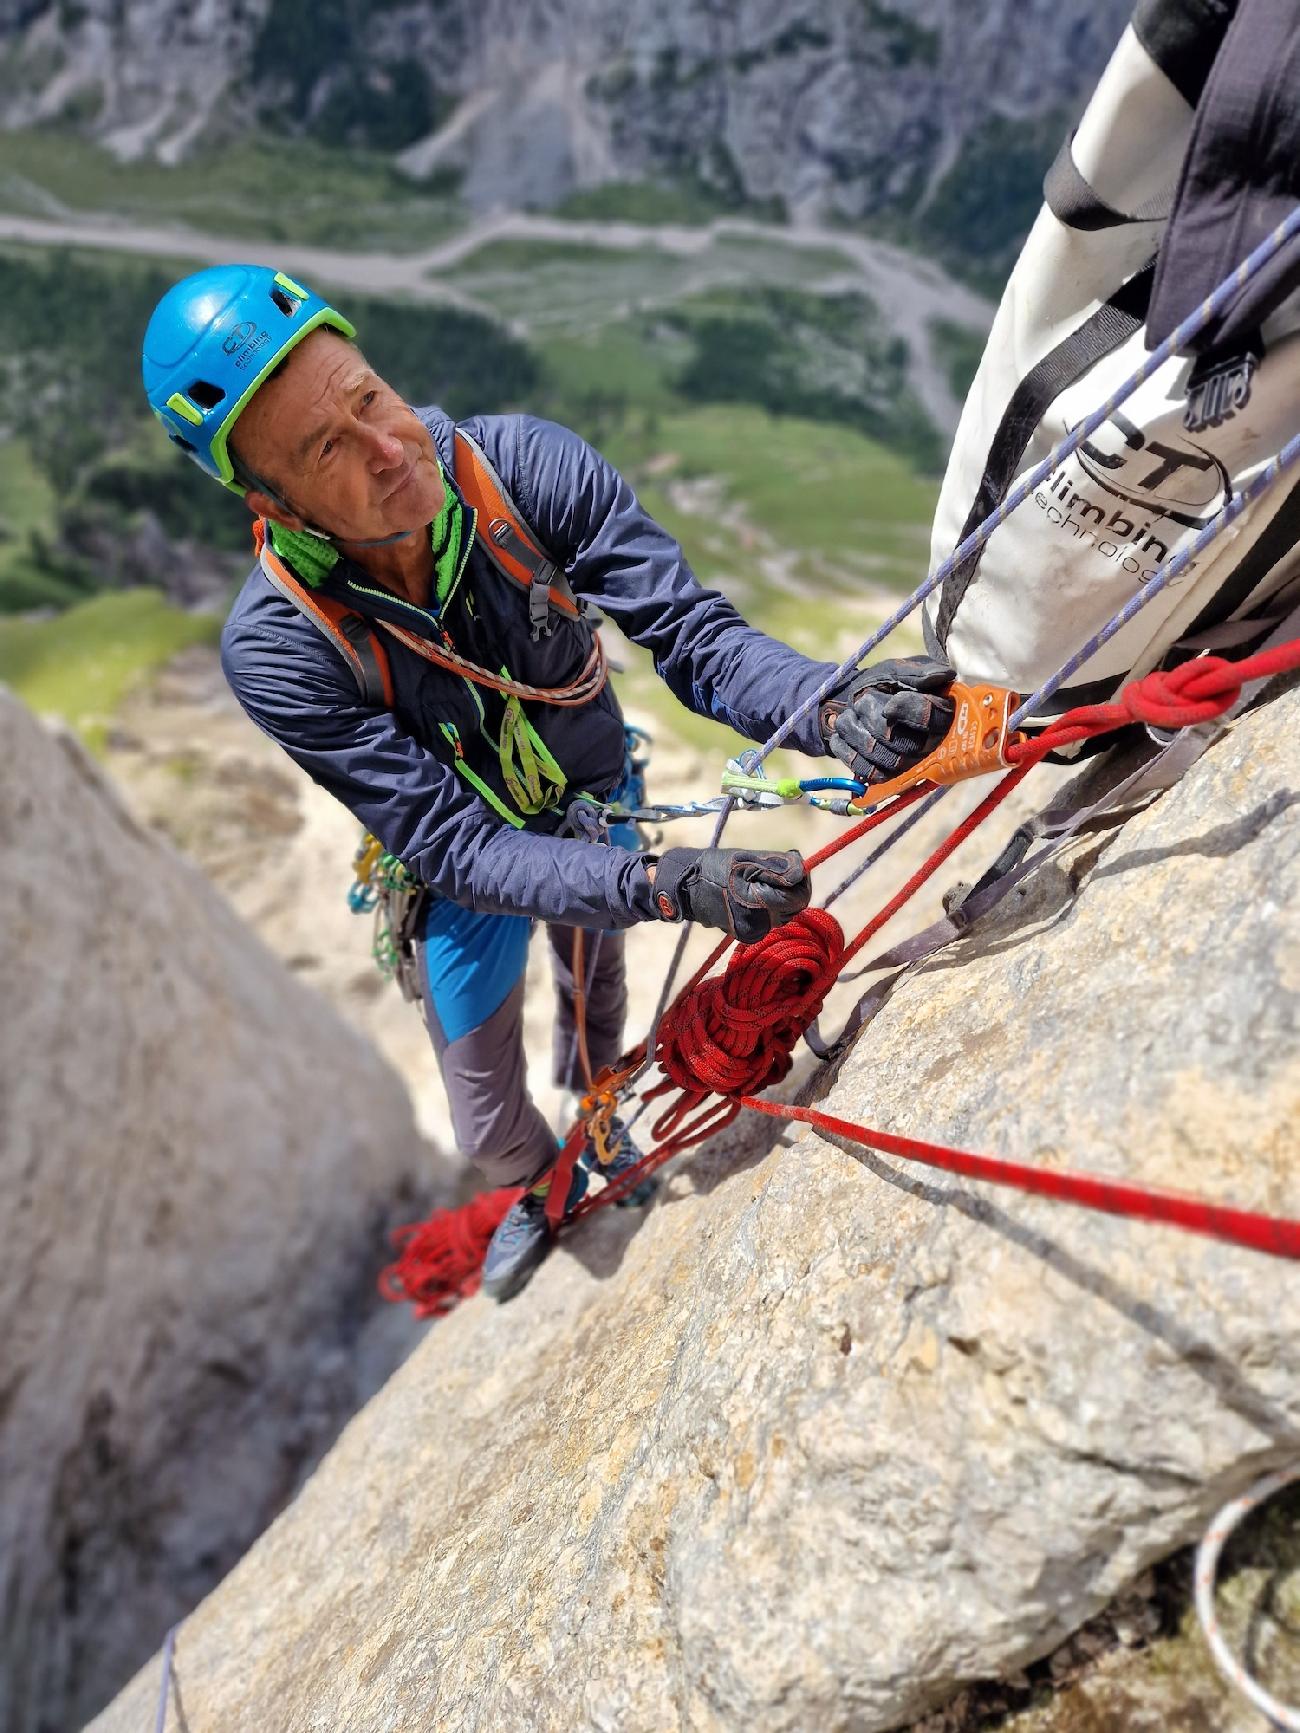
472,985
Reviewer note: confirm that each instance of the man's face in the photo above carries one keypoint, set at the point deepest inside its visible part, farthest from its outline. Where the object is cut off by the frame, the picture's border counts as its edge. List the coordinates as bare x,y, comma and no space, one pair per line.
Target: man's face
339,446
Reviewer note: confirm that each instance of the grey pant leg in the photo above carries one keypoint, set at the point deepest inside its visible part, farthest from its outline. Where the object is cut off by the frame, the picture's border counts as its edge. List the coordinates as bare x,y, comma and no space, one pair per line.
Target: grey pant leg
606,974
497,1124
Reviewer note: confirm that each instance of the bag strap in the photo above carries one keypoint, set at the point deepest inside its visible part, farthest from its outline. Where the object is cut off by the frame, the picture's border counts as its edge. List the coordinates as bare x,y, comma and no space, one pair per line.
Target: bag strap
508,541
1075,202
1113,323
341,627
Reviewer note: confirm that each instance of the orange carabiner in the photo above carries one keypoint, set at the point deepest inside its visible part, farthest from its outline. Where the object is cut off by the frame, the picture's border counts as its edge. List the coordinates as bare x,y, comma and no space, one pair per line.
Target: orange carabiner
596,1109
975,744
598,1105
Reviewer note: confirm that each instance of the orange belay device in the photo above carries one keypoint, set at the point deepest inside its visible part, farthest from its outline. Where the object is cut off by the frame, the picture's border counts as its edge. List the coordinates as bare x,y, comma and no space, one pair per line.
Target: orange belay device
974,745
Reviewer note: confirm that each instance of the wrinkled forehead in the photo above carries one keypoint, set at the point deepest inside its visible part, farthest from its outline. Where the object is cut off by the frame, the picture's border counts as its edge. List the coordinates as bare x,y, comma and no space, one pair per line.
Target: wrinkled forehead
315,381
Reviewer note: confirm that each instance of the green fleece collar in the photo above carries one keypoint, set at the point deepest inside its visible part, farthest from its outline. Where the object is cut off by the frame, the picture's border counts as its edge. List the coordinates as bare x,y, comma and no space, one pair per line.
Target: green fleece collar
450,536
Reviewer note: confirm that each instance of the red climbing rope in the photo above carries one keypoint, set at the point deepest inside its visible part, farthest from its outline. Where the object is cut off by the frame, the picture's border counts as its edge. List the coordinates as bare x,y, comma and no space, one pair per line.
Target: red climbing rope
1262,1233
439,1261
727,1036
1195,691
735,1034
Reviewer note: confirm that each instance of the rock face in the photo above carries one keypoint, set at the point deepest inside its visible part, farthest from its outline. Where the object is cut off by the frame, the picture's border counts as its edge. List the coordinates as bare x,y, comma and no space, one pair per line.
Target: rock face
854,106
196,1161
831,1436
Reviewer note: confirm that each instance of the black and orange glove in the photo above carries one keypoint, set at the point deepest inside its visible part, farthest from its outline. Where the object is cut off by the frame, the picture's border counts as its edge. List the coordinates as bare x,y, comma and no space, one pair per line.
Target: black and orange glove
738,890
887,718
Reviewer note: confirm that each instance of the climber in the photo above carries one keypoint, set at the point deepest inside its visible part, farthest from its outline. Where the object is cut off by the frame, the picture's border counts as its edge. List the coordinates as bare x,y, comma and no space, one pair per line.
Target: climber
389,645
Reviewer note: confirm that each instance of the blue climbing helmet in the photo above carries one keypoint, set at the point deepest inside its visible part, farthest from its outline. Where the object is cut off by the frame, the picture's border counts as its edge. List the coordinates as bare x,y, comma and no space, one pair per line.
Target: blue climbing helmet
212,340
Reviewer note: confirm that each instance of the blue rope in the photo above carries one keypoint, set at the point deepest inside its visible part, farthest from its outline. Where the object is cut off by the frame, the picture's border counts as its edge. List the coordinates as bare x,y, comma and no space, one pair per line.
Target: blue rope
1177,339
169,1649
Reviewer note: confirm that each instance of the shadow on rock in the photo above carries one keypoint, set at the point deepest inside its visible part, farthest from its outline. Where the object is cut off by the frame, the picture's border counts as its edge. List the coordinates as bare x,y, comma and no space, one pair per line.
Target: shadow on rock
1221,1374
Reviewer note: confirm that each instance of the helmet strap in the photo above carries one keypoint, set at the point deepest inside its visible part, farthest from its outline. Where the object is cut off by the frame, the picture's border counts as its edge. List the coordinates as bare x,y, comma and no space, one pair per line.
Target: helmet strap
375,542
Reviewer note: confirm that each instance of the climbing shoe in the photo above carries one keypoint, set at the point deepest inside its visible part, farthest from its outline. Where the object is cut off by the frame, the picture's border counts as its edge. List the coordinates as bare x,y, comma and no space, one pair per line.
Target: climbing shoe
626,1155
523,1239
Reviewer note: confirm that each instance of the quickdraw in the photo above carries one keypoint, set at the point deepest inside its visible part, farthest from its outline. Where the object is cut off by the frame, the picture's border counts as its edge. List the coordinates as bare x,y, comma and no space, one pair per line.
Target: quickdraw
977,744
384,886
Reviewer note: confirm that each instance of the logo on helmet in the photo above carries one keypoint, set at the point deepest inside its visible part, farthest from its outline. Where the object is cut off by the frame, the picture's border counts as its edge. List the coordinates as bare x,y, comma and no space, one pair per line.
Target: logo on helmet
245,341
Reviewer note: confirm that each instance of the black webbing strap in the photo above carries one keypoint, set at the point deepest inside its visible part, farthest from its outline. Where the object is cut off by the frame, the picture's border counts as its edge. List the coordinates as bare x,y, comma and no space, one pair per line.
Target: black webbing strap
360,634
1074,201
542,571
1272,545
1111,325
544,574
1183,37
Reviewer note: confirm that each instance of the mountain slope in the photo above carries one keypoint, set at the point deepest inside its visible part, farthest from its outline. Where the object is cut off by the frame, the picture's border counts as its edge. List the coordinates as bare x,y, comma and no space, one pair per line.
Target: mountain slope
853,106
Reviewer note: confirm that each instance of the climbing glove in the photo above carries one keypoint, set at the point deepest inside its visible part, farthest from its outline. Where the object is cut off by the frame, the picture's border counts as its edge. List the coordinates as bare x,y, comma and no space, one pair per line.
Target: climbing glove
887,718
743,892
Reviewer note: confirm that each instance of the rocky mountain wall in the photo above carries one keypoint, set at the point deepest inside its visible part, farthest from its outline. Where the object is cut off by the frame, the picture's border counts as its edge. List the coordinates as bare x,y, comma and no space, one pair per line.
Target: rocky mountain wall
197,1160
850,106
827,1437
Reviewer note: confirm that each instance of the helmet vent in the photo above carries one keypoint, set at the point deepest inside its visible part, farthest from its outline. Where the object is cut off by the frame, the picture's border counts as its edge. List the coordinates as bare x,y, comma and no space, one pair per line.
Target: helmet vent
286,303
179,439
205,394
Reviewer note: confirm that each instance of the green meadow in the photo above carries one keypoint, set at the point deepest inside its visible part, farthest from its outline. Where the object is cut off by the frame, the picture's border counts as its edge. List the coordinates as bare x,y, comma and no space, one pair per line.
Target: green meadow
761,409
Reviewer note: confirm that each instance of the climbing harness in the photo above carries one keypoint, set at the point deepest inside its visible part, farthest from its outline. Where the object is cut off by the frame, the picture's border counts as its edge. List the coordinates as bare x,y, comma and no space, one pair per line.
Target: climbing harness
725,1037
1205,1574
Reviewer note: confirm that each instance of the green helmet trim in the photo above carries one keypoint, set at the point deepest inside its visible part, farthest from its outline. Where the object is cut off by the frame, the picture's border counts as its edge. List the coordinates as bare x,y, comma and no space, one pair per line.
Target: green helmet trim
220,439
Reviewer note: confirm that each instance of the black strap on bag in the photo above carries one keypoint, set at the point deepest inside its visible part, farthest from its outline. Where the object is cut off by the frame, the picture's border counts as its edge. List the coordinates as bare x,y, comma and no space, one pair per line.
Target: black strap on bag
1110,326
1240,179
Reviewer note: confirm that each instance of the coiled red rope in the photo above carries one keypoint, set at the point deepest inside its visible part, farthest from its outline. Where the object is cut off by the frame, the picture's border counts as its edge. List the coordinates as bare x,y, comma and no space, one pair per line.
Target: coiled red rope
727,1037
438,1261
735,1035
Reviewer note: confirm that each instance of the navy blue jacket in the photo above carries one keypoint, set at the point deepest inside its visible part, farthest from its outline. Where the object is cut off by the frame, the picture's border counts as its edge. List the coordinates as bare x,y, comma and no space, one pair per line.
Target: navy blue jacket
393,769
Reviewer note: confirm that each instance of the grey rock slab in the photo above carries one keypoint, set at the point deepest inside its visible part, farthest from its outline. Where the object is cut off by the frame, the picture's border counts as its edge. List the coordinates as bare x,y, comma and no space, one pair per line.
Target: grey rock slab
196,1160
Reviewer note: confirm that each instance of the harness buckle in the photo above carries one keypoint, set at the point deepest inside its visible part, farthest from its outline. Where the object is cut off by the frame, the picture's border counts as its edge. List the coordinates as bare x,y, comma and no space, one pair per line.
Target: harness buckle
539,602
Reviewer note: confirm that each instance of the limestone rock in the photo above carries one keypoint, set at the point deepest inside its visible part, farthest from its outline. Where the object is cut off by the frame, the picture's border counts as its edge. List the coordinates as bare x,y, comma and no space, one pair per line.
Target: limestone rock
196,1161
852,109
1144,1666
831,1436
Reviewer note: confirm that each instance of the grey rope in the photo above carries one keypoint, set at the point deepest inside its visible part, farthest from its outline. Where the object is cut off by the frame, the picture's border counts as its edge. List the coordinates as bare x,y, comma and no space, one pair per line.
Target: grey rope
169,1650
1177,339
